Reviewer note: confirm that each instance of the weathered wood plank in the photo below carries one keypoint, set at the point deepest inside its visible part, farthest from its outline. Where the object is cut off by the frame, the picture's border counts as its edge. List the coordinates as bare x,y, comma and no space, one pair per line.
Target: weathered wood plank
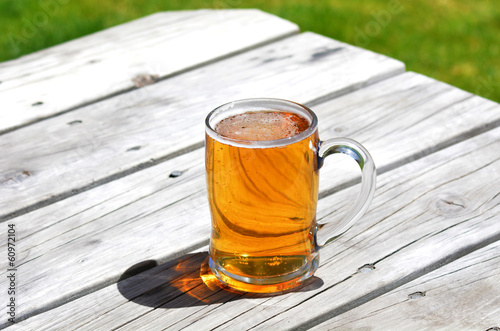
464,295
402,98
410,116
425,215
58,157
416,225
83,233
155,279
127,56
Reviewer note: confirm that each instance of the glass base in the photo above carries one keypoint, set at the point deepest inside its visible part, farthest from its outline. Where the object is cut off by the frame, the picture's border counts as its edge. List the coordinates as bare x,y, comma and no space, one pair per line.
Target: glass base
270,284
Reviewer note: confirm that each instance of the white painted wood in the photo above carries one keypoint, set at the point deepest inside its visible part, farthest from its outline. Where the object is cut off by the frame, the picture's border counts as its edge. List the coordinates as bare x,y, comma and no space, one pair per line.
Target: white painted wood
80,236
57,157
464,295
425,214
97,66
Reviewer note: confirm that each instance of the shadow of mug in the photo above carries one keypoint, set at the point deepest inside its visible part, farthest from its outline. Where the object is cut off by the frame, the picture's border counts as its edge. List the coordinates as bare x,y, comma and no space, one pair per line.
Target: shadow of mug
184,282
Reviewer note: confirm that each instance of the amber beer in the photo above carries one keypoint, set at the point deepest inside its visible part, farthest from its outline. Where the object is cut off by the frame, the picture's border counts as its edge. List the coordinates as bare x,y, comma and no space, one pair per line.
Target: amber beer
262,161
263,200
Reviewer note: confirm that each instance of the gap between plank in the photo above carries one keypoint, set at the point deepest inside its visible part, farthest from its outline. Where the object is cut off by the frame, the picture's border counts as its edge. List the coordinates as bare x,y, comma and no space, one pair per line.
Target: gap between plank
153,162
102,181
320,319
414,157
85,291
389,167
170,75
392,286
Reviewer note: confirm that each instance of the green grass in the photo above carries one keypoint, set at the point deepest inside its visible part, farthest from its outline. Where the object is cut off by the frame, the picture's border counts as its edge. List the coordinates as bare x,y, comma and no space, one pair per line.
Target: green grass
454,41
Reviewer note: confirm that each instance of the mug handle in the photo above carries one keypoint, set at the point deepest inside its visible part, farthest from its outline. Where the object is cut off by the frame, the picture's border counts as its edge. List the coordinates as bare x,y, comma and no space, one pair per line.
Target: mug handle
329,231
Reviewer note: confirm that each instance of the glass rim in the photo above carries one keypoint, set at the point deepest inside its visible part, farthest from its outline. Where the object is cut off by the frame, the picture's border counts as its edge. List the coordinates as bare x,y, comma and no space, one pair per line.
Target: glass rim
289,105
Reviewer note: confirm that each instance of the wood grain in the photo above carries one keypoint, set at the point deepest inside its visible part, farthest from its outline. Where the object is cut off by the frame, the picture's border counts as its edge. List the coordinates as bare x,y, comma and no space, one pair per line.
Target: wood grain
463,295
400,120
110,185
414,226
426,214
125,57
61,156
84,233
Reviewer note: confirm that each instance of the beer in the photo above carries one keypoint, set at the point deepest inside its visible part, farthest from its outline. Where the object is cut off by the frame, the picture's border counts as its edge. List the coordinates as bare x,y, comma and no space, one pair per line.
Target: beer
262,200
262,161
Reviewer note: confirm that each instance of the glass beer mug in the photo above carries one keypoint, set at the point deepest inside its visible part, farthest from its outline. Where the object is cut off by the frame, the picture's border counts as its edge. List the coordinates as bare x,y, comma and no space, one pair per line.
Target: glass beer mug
262,162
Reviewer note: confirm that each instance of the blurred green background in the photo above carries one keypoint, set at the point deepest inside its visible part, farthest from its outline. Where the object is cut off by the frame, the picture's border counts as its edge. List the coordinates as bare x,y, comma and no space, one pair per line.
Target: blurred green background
454,41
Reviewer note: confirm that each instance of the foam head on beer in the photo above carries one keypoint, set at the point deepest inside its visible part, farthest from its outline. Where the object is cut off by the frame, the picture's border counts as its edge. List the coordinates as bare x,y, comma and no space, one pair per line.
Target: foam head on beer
262,125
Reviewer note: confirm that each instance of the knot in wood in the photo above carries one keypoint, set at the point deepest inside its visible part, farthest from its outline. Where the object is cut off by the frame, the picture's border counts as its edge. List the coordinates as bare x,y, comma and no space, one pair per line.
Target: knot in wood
325,52
175,173
366,268
93,242
75,122
339,129
145,79
452,205
135,148
416,295
14,178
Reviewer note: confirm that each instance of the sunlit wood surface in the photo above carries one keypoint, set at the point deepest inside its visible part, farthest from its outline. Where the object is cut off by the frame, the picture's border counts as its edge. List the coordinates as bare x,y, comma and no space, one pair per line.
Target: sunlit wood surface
102,177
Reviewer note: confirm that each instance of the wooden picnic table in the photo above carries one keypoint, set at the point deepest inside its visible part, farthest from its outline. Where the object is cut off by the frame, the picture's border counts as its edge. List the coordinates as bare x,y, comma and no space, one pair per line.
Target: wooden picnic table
102,182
